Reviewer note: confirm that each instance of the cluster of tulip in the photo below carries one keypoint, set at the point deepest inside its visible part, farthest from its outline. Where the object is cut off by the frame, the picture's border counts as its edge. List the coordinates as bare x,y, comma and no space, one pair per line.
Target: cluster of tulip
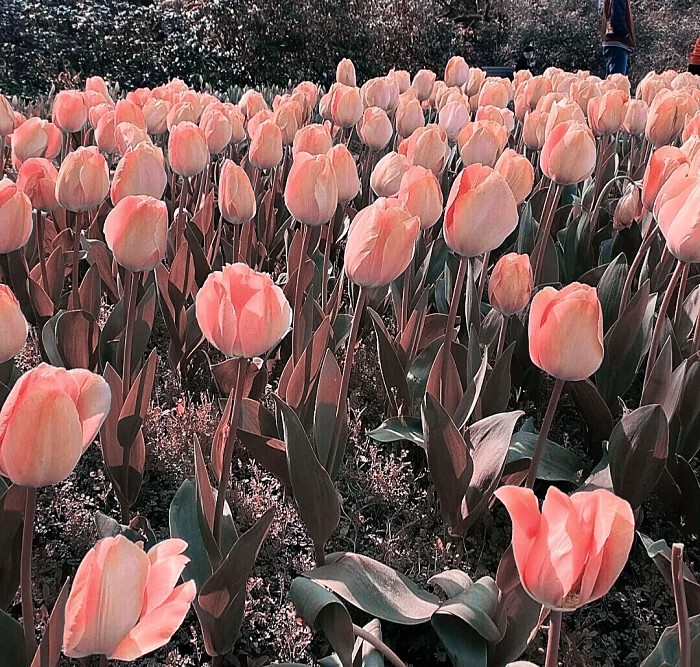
269,231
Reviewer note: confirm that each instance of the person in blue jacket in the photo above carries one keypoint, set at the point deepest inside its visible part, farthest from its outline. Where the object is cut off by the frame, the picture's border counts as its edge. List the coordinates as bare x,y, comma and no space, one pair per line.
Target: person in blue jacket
617,35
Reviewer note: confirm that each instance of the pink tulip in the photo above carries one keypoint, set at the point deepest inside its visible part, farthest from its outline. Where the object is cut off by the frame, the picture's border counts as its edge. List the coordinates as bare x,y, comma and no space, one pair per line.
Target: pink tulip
155,112
236,197
15,217
607,112
37,179
421,193
98,84
126,111
495,92
677,210
565,331
345,72
456,71
569,153
482,142
635,117
386,176
105,133
217,129
286,117
311,192
423,82
251,102
128,136
242,312
534,127
345,169
124,602
13,326
345,105
83,179
49,419
187,149
375,128
518,172
265,149
409,116
141,171
7,117
453,117
427,147
510,285
314,139
662,163
69,111
35,138
572,552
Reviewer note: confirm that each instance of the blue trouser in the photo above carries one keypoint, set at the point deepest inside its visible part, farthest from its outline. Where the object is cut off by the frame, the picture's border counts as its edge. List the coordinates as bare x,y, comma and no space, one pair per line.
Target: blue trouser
615,59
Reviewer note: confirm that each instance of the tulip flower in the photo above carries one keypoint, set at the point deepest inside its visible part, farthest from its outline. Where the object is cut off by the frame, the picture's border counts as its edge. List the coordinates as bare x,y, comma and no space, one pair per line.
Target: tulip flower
346,106
265,150
534,129
257,120
98,84
141,171
518,172
35,138
128,136
482,142
236,197
311,192
105,133
37,179
677,210
635,119
423,82
345,169
380,243
314,139
629,209
510,285
456,71
136,231
402,79
155,113
421,193
427,147
217,129
7,117
13,325
665,118
572,552
569,153
562,111
476,80
453,117
48,420
69,112
663,162
409,116
494,92
386,176
251,102
15,217
242,312
607,112
83,179
375,128
286,116
124,602
481,211
377,93
187,149
345,72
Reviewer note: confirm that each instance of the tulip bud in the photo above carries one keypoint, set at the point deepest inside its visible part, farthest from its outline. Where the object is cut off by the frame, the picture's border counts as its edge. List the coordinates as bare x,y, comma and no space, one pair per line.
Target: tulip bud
635,117
375,128
141,171
377,93
242,312
105,133
311,192
494,92
482,142
314,139
402,79
662,163
310,92
83,179
35,138
421,193
37,179
569,153
187,149
126,111
236,197
69,112
518,172
562,111
387,174
629,209
453,117
128,136
257,120
677,210
236,118
98,84
409,116
665,120
345,169
692,127
476,80
456,72
423,83
510,285
606,113
480,213
217,129
427,147
345,72
13,326
7,117
380,244
286,117
48,420
265,150
566,332
251,102
96,112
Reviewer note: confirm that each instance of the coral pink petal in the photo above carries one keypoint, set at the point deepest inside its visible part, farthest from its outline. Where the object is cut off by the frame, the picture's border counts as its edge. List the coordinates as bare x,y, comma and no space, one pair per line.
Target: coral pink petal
167,564
93,402
525,516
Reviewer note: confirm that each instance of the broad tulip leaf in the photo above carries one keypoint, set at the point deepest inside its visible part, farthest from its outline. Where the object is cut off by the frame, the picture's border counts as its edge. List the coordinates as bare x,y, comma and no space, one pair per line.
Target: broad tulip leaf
49,651
12,648
465,646
12,504
472,394
375,588
667,652
557,464
327,399
313,488
637,452
303,376
594,408
496,391
453,582
609,289
109,527
665,385
399,428
417,375
321,609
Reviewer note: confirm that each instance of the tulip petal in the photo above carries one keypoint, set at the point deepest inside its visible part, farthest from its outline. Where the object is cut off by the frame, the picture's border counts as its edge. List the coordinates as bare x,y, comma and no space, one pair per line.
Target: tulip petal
93,402
166,567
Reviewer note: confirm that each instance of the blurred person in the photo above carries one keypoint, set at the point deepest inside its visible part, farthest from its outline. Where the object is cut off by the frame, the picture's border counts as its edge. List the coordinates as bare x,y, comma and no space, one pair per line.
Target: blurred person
526,60
694,59
617,35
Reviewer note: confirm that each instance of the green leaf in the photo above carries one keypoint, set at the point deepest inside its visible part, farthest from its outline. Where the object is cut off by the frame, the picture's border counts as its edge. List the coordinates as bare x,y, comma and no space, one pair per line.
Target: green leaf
49,651
557,465
399,428
12,504
609,289
465,646
327,397
12,642
667,651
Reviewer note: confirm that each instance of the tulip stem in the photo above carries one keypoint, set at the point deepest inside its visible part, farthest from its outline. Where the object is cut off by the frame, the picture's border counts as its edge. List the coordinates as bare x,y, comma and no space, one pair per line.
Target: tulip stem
696,336
684,644
550,208
659,325
502,335
452,315
40,249
601,196
379,645
330,228
651,234
681,293
482,276
131,290
544,432
553,639
320,553
237,244
341,410
228,447
76,262
26,571
103,661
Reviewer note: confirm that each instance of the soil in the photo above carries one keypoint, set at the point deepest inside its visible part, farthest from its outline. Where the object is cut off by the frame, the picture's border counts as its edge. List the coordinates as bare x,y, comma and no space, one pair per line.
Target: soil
389,513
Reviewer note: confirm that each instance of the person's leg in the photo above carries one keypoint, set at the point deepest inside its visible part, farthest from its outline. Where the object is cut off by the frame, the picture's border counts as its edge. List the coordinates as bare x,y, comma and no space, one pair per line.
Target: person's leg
615,60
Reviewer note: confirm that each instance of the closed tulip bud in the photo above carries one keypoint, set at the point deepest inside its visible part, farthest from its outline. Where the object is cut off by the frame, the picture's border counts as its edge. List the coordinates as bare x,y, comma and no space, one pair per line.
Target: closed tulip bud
124,602
236,197
138,96
346,106
518,172
128,136
105,133
136,231
635,119
69,112
565,331
187,149
217,129
606,113
546,102
83,180
402,78
386,176
375,128
155,112
510,285
649,87
96,112
629,209
446,95
563,111
569,153
265,150
427,147
314,139
572,552
310,92
287,119
49,419
534,128
257,120
126,111
98,84
237,120
423,83
482,142
453,117
242,312
436,92
251,102
380,244
37,179
456,72
691,149
35,138
345,73
409,116
13,326
692,127
311,192
421,193
141,171
665,118
494,92
582,91
677,210
476,80
181,112
7,117
492,113
534,89
662,163
480,213
345,169
376,93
